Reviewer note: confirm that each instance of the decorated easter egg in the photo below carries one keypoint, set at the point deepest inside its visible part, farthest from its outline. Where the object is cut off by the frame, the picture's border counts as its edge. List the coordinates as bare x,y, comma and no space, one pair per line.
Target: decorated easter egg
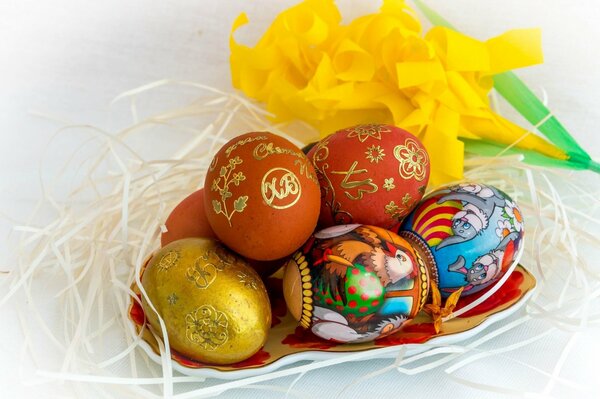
214,306
262,196
187,220
355,283
469,235
371,174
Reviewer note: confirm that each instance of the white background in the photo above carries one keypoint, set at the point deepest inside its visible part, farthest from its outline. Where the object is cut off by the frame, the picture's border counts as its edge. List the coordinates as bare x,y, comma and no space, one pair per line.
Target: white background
69,59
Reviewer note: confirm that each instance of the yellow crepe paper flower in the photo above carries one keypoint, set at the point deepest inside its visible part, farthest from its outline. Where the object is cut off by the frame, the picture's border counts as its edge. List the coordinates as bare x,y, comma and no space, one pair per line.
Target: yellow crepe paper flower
380,68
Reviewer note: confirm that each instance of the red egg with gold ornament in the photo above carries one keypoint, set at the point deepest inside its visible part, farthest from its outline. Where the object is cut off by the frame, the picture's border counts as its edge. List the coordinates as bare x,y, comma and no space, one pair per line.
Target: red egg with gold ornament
372,174
261,196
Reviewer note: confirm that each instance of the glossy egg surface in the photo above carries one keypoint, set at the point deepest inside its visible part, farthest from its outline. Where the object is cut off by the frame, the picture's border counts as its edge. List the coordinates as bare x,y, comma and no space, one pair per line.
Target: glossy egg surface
472,231
369,174
355,283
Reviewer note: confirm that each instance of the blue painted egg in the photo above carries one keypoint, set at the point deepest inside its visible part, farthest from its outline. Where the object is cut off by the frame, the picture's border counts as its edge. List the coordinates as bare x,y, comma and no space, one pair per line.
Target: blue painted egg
469,235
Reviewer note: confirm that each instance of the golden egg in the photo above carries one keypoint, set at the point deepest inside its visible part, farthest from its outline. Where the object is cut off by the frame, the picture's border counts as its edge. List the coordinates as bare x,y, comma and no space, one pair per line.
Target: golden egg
214,305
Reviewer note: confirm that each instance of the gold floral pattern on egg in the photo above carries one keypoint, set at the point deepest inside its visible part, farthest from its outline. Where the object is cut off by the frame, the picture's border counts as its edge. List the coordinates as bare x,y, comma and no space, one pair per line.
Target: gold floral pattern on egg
389,184
260,176
375,154
172,299
396,210
413,160
364,132
362,169
221,185
264,150
320,154
207,327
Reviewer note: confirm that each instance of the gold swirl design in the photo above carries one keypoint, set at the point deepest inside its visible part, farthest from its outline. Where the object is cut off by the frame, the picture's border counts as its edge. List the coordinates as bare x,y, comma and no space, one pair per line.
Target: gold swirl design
206,267
243,142
367,184
207,327
201,274
320,154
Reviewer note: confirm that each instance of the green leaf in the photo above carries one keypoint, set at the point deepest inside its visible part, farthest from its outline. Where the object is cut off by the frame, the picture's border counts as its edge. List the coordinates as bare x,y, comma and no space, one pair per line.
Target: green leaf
226,195
223,171
523,100
491,149
516,92
240,203
216,206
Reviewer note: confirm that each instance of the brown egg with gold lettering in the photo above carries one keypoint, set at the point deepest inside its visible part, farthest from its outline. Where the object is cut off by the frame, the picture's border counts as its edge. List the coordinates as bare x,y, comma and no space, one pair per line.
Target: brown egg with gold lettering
369,174
262,196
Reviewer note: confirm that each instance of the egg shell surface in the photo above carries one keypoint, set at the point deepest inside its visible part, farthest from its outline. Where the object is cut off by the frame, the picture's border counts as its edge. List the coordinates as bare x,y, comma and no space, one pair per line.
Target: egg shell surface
187,220
355,283
474,232
369,174
214,306
262,196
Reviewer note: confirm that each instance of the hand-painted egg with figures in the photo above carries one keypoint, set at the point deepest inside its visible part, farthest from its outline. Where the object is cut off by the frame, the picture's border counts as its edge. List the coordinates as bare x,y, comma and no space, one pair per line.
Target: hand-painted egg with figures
469,234
370,174
355,283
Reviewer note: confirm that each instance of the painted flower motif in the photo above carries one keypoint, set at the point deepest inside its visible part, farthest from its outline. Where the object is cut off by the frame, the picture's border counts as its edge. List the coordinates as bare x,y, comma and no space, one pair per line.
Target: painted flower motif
406,199
172,299
514,213
504,228
389,184
235,161
363,132
375,154
238,177
413,160
395,210
206,327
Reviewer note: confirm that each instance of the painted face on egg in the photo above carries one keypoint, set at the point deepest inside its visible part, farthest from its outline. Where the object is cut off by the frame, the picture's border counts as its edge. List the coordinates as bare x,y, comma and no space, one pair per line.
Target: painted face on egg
359,283
371,174
470,232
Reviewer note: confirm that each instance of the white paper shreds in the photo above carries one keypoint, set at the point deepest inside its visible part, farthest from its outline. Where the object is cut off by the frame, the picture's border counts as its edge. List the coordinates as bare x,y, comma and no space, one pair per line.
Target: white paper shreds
71,283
